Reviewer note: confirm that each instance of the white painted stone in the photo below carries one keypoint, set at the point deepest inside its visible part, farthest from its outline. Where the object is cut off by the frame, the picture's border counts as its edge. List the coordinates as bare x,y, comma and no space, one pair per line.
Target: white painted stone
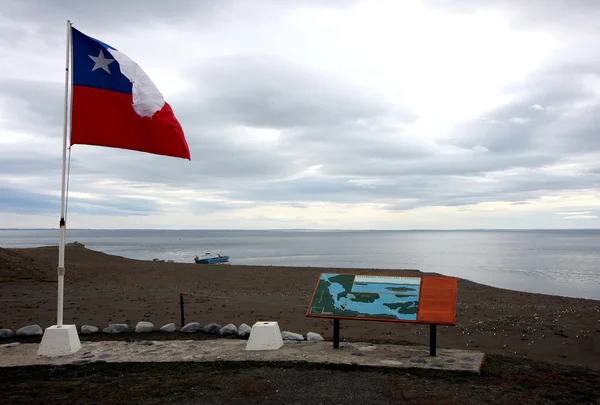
265,336
314,337
30,330
59,341
116,328
244,330
144,327
169,328
285,335
4,333
228,330
191,327
87,329
212,328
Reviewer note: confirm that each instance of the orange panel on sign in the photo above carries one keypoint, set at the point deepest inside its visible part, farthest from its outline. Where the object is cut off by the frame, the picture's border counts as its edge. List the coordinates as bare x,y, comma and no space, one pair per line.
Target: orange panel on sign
437,303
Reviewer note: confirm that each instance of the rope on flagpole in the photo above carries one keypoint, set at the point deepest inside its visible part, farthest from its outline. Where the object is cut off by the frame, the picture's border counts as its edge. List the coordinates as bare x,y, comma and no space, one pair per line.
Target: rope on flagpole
67,190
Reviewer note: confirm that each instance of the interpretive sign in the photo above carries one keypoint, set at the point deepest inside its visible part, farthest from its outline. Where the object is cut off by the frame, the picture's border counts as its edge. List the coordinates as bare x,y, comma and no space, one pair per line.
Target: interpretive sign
430,300
385,298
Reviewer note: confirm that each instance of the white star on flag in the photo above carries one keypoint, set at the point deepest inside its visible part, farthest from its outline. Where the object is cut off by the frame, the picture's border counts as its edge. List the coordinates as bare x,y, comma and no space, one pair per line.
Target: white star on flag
101,62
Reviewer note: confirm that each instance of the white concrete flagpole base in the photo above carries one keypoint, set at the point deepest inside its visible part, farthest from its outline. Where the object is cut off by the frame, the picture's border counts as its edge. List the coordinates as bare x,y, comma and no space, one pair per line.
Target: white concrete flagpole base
265,336
59,341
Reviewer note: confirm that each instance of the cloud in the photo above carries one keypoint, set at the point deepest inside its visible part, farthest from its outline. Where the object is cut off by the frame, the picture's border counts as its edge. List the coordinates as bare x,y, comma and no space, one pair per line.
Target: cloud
290,108
123,206
566,126
113,13
260,91
21,201
579,215
550,14
33,105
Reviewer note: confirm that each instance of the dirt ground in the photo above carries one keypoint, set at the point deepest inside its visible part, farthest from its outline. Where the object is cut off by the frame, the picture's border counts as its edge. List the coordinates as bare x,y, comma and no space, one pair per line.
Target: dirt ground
102,289
504,380
540,349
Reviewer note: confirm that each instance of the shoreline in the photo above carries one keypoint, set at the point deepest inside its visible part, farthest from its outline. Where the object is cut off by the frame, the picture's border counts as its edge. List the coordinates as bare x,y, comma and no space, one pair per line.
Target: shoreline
353,270
102,289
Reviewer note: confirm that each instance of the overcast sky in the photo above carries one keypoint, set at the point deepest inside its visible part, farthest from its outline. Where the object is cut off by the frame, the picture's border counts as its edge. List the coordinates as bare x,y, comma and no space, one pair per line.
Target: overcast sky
434,114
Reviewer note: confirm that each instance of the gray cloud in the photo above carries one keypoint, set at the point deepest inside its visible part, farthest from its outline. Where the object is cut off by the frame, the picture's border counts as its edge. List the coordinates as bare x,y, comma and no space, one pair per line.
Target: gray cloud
361,148
545,13
262,91
354,146
537,124
22,201
31,164
35,105
111,13
44,16
117,206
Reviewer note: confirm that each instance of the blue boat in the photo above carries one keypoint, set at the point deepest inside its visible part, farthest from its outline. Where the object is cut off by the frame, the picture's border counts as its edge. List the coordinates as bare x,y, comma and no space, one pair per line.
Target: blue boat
211,259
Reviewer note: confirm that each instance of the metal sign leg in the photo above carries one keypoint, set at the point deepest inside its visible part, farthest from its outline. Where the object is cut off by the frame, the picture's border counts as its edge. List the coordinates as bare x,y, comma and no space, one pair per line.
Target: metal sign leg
336,333
432,340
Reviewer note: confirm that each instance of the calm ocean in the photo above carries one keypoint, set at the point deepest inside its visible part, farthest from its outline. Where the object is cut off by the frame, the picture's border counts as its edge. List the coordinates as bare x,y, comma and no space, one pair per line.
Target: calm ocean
560,262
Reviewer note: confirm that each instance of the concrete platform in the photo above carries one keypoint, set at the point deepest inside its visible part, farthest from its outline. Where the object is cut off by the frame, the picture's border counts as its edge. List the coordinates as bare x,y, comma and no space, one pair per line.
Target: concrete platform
361,354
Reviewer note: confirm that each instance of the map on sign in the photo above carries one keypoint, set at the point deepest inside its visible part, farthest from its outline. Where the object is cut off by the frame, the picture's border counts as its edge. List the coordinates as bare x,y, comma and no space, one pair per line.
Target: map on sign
366,297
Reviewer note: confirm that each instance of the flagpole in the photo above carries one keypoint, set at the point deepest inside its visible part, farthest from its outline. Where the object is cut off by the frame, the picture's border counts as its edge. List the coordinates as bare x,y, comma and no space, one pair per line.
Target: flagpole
63,225
60,339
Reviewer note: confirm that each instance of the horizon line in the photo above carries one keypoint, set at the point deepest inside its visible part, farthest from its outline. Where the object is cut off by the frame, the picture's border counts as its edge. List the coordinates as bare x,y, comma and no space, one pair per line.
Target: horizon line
306,229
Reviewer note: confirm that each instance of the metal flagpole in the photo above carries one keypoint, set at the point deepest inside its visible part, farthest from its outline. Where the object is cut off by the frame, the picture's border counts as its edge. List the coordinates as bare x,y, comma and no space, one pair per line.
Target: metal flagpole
60,339
63,225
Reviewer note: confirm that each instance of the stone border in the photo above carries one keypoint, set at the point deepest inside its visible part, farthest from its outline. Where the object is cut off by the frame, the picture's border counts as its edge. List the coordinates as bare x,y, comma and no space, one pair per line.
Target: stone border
213,328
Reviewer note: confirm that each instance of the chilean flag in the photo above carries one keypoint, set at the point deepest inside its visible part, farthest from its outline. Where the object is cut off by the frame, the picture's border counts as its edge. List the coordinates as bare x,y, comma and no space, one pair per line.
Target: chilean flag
115,104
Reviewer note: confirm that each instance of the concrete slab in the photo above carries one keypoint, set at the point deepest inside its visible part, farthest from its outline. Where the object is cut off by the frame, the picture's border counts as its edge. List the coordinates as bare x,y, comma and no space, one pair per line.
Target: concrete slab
360,354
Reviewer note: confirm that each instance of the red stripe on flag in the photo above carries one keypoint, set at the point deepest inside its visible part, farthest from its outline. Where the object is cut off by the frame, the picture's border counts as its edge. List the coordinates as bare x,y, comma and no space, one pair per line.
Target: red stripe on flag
106,118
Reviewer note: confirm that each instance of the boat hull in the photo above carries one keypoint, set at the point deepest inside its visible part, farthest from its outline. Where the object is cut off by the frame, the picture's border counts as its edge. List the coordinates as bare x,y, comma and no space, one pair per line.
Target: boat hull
212,260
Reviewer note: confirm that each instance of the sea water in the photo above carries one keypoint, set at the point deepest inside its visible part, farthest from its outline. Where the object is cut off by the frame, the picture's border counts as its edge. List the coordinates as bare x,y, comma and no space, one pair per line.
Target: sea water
558,262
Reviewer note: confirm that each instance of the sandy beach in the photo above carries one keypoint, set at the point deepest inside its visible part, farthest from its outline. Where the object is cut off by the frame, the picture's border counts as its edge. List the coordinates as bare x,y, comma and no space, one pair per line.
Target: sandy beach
102,289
